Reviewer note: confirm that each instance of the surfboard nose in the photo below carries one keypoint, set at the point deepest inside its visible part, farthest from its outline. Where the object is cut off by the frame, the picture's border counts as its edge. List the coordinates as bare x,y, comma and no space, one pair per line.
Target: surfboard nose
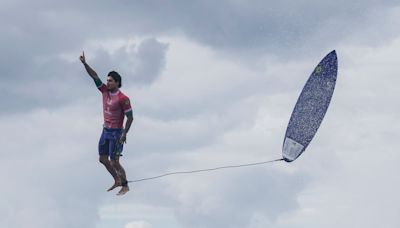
332,56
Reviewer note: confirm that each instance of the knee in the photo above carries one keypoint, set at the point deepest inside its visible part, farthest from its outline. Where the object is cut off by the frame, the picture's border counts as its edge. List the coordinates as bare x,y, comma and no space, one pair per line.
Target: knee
114,163
103,160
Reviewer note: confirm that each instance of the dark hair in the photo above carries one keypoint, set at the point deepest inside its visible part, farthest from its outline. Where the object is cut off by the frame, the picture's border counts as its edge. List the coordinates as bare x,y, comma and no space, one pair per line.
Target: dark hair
116,77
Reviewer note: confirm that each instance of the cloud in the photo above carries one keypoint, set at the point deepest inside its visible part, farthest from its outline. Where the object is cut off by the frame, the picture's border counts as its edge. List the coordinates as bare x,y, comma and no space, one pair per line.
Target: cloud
151,60
241,31
138,224
42,189
54,81
240,28
234,200
140,65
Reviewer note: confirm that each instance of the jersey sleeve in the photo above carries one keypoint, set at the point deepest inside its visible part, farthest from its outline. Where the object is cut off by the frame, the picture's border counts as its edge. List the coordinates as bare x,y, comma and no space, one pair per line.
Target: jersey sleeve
100,85
102,88
126,105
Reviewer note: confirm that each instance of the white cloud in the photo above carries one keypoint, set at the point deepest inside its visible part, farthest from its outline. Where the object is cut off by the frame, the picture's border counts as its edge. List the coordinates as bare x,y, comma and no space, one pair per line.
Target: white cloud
50,169
138,224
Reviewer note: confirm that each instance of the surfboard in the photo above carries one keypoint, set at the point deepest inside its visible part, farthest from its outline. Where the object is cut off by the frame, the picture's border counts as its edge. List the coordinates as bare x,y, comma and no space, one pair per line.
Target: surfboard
310,108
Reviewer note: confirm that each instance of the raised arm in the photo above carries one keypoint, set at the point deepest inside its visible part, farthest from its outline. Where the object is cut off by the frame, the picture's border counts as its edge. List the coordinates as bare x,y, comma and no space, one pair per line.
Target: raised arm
90,71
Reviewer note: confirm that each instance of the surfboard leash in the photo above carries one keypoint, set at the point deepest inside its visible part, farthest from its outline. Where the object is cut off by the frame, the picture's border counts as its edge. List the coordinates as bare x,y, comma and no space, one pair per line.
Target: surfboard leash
205,170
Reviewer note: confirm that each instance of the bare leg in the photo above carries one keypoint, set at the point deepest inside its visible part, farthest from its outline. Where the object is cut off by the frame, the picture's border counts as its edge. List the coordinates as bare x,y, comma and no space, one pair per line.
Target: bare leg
122,175
117,181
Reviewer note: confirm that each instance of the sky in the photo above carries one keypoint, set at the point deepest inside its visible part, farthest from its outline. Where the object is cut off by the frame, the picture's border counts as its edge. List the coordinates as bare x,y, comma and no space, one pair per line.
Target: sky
212,83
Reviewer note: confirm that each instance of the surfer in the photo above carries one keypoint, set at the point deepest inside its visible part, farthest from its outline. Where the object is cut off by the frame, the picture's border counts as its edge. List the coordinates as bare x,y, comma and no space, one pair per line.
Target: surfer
116,105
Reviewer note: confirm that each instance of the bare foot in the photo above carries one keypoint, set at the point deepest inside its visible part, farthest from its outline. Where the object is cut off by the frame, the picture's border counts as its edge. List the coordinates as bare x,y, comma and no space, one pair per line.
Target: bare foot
116,184
123,190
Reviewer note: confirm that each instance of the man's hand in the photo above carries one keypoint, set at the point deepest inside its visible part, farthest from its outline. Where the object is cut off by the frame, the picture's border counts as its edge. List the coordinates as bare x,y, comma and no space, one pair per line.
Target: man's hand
90,71
82,58
123,138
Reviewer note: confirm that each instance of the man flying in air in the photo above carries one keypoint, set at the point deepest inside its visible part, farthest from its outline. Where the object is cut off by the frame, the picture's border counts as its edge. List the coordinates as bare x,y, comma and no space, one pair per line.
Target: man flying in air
116,105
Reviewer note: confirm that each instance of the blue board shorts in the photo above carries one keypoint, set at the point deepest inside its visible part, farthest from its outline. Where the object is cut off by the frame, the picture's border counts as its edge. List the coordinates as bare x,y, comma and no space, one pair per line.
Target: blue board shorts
109,143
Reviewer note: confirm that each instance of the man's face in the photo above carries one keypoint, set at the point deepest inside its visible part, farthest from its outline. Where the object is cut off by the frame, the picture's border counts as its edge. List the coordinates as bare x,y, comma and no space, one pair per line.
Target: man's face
111,83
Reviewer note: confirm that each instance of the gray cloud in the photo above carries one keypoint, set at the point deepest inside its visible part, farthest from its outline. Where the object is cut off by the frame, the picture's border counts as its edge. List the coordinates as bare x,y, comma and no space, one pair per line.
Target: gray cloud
279,28
257,191
150,53
30,44
240,25
139,65
258,27
48,81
